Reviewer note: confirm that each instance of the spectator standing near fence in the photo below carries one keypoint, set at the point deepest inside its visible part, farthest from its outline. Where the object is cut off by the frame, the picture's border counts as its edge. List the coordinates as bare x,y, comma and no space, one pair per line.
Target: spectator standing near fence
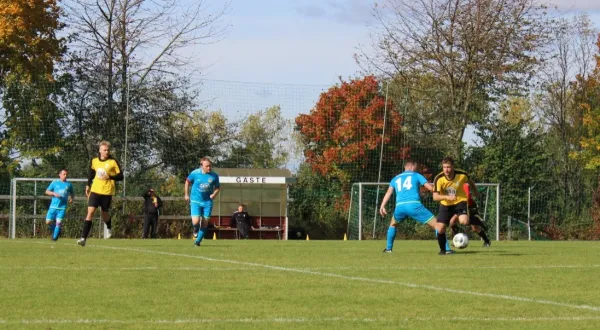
151,210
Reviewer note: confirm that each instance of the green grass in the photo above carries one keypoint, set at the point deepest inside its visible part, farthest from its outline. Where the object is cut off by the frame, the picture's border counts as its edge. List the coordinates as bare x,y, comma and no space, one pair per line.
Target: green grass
165,284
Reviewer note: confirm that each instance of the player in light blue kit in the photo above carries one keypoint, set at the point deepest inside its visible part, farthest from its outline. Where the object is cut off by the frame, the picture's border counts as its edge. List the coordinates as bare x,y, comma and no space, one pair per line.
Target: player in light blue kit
205,187
408,202
62,193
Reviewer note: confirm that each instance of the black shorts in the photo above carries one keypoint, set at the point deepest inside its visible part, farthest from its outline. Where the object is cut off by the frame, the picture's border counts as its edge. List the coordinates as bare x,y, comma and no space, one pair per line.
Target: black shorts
102,201
446,213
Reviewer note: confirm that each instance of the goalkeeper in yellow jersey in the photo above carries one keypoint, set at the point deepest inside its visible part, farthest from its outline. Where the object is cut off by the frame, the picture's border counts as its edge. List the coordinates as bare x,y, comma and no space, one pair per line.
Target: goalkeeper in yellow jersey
102,174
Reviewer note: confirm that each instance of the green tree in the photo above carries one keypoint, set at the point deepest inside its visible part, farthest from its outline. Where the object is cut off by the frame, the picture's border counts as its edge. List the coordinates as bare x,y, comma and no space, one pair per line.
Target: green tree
188,137
317,204
261,141
514,154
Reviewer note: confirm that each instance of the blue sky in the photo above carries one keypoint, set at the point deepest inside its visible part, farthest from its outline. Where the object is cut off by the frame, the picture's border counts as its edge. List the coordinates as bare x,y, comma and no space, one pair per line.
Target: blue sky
289,42
286,52
304,41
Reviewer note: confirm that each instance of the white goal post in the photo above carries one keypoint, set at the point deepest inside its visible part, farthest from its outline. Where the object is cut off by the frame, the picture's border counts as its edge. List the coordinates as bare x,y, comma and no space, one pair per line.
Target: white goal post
364,221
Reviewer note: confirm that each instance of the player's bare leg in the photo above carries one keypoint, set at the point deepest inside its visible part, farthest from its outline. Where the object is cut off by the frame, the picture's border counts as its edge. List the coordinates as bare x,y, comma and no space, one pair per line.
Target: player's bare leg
108,222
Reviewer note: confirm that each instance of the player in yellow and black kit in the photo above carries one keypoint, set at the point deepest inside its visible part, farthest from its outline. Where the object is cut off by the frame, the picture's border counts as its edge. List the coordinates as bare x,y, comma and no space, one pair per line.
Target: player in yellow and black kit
102,174
448,189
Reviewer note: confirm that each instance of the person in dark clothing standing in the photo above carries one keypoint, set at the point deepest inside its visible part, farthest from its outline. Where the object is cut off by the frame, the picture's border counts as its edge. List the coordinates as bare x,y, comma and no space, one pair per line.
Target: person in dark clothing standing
151,210
242,220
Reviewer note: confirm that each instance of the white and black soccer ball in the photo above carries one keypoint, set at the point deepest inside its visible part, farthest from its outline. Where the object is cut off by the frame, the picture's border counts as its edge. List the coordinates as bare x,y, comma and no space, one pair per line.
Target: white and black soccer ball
460,241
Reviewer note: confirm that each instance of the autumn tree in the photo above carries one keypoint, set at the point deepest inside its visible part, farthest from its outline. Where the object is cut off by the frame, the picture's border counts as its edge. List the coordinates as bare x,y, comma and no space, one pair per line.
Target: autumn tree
29,49
29,45
588,100
342,135
474,50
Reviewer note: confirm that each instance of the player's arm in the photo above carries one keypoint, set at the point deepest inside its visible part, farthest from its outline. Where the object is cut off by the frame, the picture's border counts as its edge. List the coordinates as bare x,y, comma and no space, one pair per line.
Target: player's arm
215,193
437,196
50,192
71,194
428,186
119,176
90,178
186,189
474,189
386,198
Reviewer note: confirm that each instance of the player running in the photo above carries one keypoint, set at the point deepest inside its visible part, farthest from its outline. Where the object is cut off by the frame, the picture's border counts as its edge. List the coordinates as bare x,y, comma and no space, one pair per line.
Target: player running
62,194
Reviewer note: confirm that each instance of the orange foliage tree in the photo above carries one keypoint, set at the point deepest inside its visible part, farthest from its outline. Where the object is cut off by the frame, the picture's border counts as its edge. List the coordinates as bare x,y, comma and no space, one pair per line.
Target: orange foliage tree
587,96
342,135
28,42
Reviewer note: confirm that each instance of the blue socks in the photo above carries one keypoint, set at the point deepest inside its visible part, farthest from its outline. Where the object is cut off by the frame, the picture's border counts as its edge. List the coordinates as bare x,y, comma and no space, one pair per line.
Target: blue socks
196,227
51,226
391,236
56,232
200,235
447,244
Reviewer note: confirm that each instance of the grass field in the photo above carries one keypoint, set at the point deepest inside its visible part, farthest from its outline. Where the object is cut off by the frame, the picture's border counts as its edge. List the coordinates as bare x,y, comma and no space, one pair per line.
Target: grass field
166,284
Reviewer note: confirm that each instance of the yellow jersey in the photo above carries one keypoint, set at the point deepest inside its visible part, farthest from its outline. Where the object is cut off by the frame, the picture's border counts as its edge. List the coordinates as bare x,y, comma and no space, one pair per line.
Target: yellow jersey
102,175
452,186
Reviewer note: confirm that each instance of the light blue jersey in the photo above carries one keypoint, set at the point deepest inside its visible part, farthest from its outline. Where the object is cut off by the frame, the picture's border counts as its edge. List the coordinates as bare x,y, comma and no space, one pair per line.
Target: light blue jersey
203,185
64,189
407,186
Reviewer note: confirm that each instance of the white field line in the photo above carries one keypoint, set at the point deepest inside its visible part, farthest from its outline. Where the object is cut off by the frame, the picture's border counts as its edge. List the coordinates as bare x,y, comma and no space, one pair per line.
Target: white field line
303,320
360,279
364,279
389,267
441,268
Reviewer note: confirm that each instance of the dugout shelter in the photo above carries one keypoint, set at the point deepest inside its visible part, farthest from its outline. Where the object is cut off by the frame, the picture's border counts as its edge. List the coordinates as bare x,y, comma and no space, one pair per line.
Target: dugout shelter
265,195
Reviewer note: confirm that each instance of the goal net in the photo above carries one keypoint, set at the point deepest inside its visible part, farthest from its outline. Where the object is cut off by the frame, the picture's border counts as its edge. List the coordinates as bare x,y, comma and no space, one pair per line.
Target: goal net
365,222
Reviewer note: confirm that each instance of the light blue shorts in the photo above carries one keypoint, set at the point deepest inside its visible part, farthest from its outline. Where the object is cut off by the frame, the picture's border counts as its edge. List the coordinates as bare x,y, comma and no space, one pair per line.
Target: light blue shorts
203,209
415,210
55,214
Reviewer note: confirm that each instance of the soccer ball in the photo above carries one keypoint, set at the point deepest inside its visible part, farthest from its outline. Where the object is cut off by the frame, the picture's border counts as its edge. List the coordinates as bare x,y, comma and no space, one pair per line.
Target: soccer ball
460,241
